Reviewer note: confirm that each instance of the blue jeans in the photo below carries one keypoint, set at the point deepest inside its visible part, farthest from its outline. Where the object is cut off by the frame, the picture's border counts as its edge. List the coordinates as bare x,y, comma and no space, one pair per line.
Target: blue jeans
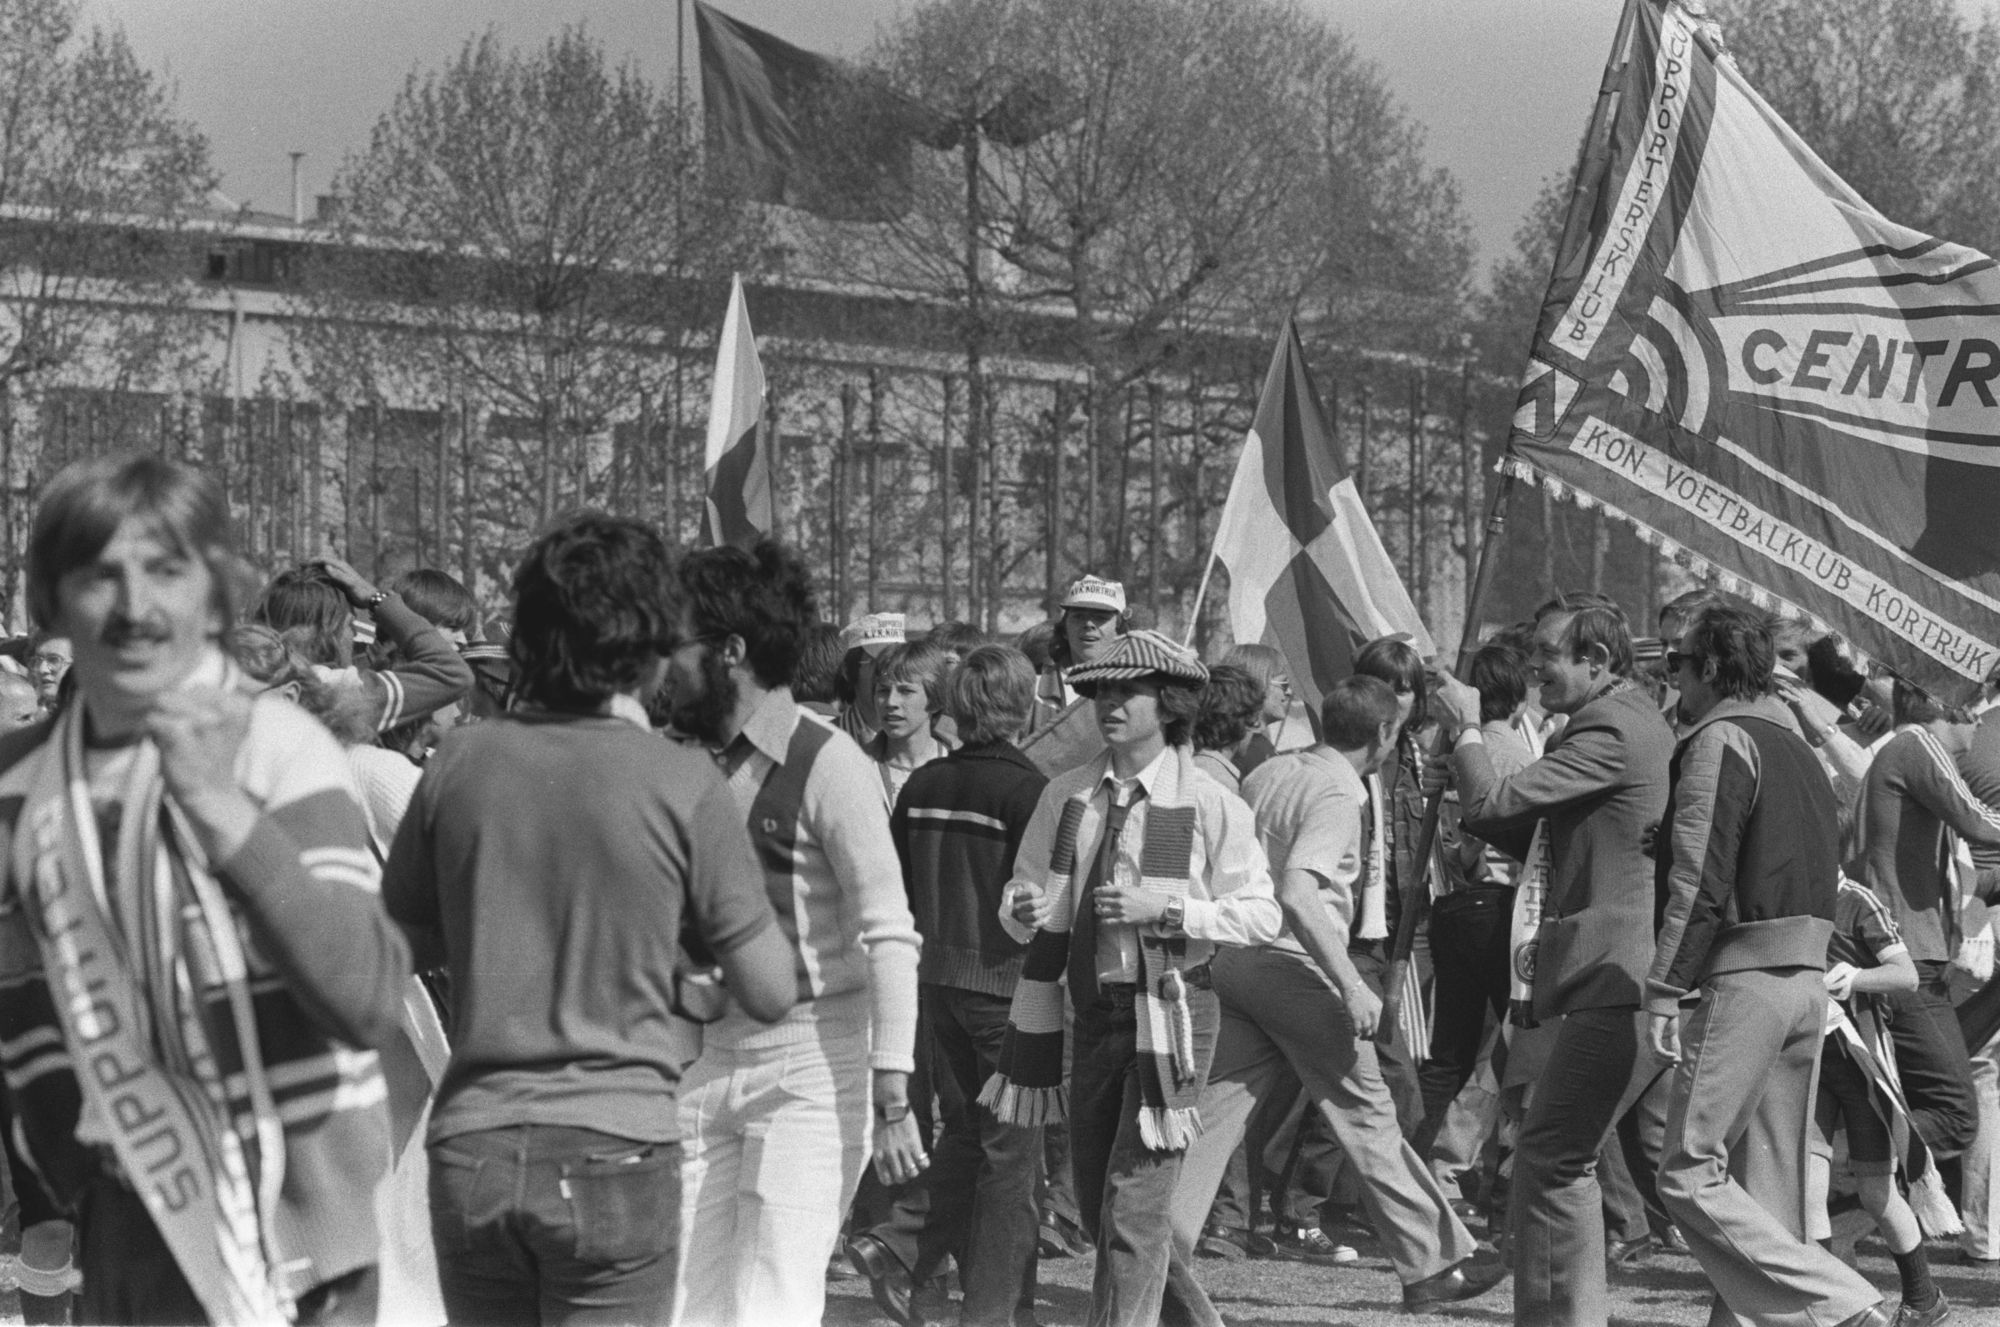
542,1223
1125,1190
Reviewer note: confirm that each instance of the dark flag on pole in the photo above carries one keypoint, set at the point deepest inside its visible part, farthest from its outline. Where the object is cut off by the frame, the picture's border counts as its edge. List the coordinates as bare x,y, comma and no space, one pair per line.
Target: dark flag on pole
786,125
1307,571
1767,378
742,499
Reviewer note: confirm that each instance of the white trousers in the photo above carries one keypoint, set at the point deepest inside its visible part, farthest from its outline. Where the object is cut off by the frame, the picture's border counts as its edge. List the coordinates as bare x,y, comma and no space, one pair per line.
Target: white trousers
773,1141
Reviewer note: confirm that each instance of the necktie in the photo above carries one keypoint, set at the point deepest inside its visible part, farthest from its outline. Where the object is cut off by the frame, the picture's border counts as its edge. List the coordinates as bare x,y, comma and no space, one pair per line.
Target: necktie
1083,929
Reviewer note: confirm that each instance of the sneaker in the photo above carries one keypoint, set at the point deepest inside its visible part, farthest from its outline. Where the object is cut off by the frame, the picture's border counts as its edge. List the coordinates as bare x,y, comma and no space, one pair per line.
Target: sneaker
1309,1244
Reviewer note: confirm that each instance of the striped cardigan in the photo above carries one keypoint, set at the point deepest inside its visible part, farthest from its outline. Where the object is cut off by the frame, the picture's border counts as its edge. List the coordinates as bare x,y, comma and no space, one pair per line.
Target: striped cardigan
326,982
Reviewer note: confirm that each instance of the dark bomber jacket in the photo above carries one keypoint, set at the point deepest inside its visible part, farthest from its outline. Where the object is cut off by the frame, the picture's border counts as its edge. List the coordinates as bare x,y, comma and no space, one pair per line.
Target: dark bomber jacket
1747,861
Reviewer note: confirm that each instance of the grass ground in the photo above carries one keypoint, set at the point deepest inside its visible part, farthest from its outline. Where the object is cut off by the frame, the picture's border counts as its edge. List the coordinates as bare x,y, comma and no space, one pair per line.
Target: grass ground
1666,1292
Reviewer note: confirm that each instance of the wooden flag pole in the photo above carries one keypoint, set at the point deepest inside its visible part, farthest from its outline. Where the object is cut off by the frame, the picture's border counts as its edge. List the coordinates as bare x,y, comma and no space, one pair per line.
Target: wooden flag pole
1194,618
1416,893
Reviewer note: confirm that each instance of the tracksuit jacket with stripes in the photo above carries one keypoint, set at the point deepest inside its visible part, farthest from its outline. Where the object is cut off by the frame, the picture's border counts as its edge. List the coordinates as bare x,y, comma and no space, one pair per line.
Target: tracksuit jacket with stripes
1747,859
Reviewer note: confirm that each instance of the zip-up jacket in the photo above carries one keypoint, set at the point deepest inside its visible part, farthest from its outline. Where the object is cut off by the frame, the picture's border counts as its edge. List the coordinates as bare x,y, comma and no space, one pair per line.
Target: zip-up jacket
1747,861
957,827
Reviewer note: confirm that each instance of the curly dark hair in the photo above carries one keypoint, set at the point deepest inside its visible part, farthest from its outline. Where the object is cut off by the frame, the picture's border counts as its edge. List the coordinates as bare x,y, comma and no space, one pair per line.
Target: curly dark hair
1231,702
763,596
595,610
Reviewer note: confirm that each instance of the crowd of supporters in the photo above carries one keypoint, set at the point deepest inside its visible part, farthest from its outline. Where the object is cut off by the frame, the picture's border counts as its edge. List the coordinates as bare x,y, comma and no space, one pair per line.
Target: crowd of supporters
660,951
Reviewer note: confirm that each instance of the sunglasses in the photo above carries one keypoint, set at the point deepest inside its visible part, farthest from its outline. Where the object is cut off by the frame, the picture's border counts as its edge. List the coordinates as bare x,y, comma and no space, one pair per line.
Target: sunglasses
1676,659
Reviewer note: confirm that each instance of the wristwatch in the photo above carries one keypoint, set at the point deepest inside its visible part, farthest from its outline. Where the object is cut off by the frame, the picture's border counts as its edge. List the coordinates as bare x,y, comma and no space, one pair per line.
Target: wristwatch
1176,914
892,1112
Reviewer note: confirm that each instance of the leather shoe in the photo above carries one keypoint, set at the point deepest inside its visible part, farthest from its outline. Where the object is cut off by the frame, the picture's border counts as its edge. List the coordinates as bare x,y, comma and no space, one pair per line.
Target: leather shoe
1060,1238
1219,1240
1935,1316
887,1280
1622,1255
1462,1280
1869,1317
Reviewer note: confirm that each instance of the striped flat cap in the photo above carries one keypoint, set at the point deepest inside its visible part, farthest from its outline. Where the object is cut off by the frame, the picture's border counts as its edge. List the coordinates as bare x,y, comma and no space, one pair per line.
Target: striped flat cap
1141,654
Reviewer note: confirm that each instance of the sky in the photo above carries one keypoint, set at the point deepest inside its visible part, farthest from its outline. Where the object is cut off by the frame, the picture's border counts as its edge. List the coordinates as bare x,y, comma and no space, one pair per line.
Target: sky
1502,88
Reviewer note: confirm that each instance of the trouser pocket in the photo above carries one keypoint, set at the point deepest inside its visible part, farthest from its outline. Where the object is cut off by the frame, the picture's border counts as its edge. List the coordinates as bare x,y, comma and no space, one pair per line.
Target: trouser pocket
625,1202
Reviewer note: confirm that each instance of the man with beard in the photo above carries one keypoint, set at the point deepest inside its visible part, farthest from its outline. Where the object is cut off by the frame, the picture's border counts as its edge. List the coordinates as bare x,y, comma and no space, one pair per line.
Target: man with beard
547,861
777,1121
1597,796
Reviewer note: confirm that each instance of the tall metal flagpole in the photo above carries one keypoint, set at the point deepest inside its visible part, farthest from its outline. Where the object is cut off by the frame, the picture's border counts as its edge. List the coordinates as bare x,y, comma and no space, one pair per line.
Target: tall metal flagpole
1416,893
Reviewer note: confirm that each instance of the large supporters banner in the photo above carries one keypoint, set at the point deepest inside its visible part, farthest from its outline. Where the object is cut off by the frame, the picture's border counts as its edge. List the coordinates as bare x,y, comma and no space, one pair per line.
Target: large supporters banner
1765,376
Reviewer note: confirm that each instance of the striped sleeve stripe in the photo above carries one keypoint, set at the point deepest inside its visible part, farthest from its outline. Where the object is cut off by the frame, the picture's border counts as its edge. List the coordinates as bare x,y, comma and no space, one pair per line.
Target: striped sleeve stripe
366,881
337,856
957,817
1944,762
31,1042
1870,901
392,705
20,1076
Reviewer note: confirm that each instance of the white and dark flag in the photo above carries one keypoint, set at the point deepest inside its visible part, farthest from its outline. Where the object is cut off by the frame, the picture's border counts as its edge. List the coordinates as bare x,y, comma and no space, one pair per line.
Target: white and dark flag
741,505
1307,571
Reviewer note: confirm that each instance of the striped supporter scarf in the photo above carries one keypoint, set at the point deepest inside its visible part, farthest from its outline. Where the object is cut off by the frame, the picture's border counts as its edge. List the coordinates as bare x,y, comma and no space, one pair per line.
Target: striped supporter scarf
156,1010
1028,1087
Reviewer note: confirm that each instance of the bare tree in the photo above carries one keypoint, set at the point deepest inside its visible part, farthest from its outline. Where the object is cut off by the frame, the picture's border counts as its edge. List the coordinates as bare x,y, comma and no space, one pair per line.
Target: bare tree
522,236
1900,97
97,172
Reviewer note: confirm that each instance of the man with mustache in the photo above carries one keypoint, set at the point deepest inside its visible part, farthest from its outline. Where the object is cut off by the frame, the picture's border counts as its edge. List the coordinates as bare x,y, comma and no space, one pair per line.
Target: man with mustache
187,856
777,1121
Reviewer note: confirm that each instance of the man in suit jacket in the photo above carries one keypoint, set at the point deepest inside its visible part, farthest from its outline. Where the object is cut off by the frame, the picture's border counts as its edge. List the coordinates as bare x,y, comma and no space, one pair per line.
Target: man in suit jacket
1601,789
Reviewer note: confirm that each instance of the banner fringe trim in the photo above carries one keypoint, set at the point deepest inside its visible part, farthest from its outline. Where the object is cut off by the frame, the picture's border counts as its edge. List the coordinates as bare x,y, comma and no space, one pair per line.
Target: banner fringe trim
1668,547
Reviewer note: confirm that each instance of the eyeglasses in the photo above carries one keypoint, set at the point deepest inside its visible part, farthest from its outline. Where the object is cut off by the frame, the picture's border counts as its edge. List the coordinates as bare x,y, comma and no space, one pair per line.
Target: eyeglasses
1676,659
